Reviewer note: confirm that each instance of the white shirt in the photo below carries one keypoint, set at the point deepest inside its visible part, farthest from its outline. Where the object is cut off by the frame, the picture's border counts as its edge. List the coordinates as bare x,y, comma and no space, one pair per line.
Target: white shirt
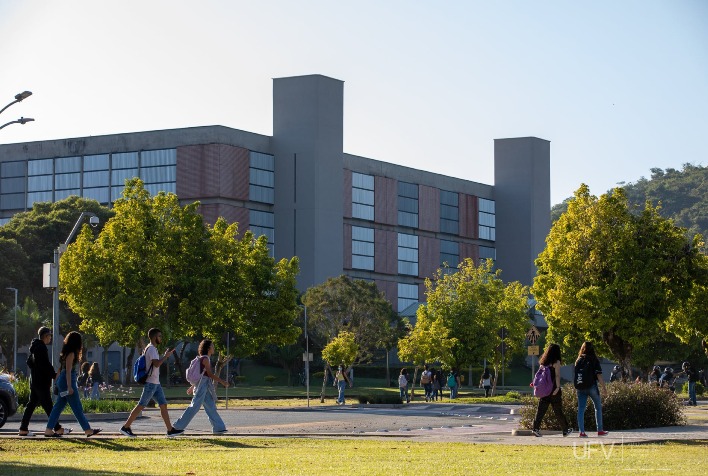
151,354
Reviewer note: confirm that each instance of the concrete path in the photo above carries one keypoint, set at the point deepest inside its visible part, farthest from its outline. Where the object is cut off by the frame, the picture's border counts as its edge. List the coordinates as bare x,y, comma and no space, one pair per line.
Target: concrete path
417,422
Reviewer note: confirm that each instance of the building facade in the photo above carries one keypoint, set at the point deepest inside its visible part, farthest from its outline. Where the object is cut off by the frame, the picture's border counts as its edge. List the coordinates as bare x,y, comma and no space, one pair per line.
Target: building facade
339,213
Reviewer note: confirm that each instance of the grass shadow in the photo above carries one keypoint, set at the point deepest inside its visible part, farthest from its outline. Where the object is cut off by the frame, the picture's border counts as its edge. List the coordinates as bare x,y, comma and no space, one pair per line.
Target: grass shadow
32,469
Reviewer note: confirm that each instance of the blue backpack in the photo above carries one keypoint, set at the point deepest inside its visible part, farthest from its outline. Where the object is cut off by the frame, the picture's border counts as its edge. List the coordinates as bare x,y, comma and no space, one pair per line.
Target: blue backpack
140,370
542,383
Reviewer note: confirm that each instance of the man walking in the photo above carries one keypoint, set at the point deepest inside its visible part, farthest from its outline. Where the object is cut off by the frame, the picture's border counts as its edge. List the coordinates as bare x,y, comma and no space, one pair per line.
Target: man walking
152,388
41,375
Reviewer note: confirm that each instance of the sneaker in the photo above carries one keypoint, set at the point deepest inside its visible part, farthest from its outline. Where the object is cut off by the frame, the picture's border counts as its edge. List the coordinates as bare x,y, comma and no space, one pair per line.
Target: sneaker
582,434
568,432
221,432
536,432
603,433
174,432
125,430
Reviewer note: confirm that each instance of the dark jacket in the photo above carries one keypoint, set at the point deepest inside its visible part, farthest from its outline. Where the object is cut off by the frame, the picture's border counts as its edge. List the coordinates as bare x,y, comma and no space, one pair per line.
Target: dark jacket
42,372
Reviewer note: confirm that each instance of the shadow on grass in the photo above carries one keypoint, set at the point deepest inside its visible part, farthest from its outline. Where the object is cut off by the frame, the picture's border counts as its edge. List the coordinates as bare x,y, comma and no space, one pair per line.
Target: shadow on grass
21,469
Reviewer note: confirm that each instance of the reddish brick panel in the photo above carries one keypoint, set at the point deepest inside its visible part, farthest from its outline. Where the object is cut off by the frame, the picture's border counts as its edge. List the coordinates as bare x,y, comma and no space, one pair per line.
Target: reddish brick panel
197,171
347,246
428,256
468,250
234,172
230,213
385,200
385,252
390,290
468,216
422,298
347,194
428,208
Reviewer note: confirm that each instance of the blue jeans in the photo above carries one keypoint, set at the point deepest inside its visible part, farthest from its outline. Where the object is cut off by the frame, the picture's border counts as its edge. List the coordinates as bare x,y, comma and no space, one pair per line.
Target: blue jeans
204,394
95,394
73,400
341,385
594,395
453,391
692,392
404,394
428,391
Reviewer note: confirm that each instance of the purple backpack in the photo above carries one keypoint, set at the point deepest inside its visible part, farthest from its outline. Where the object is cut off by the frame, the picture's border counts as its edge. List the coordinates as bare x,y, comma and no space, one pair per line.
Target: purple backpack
542,383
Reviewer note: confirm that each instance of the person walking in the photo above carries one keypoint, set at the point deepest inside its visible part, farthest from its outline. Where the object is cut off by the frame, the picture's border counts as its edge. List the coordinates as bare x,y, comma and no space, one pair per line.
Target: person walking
403,385
68,390
41,375
437,388
95,381
426,380
692,378
588,375
152,388
341,380
204,393
485,382
551,358
453,381
83,380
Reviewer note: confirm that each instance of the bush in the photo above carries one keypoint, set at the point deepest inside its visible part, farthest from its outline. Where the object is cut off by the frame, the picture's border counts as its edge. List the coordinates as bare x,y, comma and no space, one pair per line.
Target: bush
22,388
385,398
514,395
624,407
270,379
683,389
318,375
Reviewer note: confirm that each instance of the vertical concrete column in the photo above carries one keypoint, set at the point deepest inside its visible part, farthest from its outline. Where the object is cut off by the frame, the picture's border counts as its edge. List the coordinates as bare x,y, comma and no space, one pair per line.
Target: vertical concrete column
522,192
308,148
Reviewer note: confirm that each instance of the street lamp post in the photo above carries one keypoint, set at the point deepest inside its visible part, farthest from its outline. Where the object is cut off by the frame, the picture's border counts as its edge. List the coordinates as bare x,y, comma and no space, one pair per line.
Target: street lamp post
93,220
22,120
18,98
307,358
14,347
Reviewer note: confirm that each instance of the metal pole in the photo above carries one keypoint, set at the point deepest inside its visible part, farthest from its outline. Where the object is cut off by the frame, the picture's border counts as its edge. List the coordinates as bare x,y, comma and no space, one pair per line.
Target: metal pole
228,356
55,314
14,347
307,361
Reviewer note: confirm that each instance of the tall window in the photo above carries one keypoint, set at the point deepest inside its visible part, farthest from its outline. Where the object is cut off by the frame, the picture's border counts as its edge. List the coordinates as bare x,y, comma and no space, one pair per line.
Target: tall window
449,253
40,181
262,178
124,166
13,184
362,248
97,177
263,223
407,254
362,196
67,178
407,295
158,170
408,204
487,222
486,252
449,212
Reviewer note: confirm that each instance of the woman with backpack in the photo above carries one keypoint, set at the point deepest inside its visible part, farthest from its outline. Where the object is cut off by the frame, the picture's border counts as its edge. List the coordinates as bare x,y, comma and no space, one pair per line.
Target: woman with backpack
588,375
403,385
204,393
551,360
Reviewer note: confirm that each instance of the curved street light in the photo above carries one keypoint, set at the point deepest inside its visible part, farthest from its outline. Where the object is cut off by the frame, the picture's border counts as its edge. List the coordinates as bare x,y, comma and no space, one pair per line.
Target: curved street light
22,120
18,98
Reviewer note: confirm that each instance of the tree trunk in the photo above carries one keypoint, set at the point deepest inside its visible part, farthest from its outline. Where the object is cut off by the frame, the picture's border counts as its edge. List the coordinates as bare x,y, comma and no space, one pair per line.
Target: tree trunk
415,374
324,383
621,350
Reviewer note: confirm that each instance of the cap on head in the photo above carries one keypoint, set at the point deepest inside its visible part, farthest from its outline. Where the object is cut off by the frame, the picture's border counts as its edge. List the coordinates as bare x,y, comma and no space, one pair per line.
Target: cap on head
44,331
685,365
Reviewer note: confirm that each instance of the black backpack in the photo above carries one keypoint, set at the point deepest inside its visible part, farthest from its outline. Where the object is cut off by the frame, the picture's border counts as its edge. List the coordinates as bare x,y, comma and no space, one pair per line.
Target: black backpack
584,376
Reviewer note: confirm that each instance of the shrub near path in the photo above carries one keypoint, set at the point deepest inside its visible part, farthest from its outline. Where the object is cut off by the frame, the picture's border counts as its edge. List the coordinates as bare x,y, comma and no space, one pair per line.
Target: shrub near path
624,407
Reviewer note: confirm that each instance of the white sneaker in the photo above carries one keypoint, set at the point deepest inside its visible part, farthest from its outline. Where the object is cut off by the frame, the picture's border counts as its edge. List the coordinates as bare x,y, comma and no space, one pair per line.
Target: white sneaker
536,433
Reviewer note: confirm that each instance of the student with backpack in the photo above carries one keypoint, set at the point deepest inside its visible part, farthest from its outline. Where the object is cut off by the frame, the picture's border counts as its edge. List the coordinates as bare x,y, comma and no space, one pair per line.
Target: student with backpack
547,386
152,388
426,380
41,375
453,382
340,381
403,385
200,376
587,377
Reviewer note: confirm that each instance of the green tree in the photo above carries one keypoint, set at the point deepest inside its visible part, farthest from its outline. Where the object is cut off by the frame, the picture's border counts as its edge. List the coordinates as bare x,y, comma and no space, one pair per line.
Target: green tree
613,276
29,320
354,305
464,316
341,350
14,265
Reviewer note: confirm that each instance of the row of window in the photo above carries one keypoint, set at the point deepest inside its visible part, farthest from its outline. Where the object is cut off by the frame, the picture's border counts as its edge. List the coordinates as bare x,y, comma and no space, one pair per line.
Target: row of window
407,207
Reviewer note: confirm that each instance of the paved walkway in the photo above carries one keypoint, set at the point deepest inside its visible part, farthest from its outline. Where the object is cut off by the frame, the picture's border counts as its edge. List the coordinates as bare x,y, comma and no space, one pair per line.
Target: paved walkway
417,422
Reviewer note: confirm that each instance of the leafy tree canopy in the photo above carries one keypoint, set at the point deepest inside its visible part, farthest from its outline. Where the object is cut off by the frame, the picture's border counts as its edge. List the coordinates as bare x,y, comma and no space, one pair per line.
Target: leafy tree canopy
342,350
614,275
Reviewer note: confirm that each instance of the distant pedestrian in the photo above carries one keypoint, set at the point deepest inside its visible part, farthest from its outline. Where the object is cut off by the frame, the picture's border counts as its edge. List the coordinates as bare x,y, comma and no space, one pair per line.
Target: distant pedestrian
485,382
403,385
616,374
95,381
692,377
68,390
41,375
437,379
667,379
82,380
341,380
152,388
453,382
204,393
426,380
655,375
551,358
588,375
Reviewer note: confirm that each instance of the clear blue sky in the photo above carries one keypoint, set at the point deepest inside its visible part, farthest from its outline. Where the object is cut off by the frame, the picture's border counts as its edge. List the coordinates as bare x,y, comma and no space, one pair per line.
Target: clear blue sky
617,87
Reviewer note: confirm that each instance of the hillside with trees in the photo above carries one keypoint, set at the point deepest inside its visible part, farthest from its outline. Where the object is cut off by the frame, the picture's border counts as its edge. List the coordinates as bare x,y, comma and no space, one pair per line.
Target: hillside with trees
682,194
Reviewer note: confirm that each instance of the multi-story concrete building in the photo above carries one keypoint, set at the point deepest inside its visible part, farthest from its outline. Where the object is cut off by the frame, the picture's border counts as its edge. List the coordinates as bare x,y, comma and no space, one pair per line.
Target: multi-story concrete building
340,213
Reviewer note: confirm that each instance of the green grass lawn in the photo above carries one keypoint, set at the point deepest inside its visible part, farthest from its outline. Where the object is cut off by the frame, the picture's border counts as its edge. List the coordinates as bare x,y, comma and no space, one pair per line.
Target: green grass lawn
258,456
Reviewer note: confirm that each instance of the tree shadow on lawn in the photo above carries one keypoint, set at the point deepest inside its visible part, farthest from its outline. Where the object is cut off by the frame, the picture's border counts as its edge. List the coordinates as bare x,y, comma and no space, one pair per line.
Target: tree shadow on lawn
21,469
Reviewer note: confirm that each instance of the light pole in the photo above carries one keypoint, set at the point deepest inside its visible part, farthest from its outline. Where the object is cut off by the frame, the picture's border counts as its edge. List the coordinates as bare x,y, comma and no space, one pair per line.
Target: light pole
22,120
54,281
306,358
14,347
18,98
